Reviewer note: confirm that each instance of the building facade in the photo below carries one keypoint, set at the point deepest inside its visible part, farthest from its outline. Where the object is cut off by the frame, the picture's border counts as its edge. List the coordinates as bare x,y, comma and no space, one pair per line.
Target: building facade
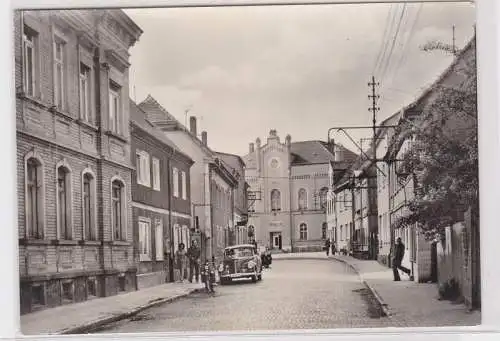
203,207
239,235
288,192
160,197
73,151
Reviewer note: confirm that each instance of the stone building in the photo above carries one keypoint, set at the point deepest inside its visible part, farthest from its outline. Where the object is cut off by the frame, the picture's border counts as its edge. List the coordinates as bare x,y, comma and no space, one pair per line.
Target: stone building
160,193
73,154
205,203
288,192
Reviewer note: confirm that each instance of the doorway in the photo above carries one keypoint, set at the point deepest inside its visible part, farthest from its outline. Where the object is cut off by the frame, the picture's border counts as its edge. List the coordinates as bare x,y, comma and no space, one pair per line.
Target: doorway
276,240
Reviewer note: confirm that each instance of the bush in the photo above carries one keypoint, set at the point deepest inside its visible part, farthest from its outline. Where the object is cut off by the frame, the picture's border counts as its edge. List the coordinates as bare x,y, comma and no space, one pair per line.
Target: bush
449,290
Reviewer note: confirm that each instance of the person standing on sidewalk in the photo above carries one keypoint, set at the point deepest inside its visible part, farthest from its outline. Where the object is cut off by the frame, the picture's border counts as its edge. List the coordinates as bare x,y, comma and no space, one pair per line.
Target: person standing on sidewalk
181,260
327,246
334,248
193,254
399,252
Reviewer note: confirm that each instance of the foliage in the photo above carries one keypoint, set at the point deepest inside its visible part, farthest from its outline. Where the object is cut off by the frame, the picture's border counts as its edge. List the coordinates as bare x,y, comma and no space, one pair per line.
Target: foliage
444,157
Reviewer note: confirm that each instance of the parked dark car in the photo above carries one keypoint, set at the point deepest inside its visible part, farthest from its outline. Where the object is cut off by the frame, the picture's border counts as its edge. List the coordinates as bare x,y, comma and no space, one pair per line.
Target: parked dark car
240,261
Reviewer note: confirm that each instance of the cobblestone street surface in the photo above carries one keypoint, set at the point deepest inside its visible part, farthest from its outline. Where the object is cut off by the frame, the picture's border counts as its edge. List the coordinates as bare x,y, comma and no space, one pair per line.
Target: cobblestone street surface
294,294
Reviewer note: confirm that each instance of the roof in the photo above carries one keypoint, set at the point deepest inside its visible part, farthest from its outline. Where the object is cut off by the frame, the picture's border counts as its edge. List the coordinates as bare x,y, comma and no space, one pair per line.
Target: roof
231,161
138,117
315,152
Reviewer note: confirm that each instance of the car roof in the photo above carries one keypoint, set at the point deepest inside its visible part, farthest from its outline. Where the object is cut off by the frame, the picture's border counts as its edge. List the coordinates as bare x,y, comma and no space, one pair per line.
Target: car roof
239,246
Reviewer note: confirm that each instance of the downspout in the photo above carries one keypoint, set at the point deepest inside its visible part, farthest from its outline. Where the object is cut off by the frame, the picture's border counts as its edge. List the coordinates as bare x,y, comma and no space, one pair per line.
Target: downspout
290,208
391,230
170,226
212,256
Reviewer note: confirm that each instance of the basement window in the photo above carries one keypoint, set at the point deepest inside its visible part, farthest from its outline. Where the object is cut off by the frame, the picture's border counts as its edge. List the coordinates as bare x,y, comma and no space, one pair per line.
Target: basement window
67,291
37,295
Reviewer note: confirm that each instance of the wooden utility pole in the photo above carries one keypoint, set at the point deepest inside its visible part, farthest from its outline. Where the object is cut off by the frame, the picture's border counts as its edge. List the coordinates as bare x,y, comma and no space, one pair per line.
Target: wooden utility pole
374,109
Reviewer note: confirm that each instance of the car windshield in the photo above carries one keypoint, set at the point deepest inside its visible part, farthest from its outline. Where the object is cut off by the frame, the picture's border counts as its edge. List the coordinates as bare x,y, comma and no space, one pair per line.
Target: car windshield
239,252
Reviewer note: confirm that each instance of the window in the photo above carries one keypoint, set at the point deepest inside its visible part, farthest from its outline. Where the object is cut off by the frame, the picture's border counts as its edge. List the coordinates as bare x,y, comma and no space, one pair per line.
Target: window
303,231
159,239
122,283
64,203
176,182
91,287
144,239
117,208
275,200
114,108
37,295
156,174
34,199
142,166
184,185
67,291
89,198
85,93
322,197
59,84
302,199
29,60
324,229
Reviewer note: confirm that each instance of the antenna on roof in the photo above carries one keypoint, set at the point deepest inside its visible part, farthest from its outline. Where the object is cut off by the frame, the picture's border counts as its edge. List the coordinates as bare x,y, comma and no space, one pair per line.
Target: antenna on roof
135,95
186,111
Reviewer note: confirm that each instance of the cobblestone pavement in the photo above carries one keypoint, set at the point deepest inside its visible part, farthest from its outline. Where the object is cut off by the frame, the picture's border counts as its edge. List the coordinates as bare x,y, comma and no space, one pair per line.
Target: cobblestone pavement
294,294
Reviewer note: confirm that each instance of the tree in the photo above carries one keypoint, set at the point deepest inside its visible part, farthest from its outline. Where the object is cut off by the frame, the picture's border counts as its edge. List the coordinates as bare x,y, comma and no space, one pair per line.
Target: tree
444,157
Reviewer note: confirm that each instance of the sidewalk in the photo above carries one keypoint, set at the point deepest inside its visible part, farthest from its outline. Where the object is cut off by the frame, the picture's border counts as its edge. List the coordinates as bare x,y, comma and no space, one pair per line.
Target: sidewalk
406,303
80,317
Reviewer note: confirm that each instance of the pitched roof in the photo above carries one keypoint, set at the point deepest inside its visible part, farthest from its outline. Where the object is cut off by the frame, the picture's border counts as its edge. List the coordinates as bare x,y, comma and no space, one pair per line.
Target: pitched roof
138,117
315,152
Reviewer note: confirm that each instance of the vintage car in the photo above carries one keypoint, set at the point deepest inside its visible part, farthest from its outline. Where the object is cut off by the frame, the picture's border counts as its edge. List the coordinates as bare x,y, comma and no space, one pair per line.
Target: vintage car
240,261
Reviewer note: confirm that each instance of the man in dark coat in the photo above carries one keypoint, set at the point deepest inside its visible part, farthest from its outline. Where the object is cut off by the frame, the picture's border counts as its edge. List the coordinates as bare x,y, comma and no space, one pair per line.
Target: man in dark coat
399,252
327,246
194,254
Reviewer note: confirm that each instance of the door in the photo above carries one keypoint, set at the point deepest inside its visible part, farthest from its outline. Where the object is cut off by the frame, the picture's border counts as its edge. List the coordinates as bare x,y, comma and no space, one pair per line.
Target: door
276,240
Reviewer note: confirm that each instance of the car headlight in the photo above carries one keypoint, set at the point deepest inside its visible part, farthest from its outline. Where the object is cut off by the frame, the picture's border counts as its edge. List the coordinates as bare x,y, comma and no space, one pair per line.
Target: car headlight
221,268
251,264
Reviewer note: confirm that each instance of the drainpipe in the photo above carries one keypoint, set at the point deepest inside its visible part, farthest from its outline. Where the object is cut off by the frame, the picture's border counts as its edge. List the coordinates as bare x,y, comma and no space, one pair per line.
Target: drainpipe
170,227
391,230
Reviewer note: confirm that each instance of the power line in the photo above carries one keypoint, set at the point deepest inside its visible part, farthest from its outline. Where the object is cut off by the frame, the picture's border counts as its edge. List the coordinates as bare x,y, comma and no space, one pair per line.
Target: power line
384,36
391,51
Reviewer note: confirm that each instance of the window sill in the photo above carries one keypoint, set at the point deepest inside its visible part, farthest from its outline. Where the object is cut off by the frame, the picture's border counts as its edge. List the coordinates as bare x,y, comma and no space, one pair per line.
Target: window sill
30,241
65,242
61,113
87,124
119,243
144,184
90,242
116,136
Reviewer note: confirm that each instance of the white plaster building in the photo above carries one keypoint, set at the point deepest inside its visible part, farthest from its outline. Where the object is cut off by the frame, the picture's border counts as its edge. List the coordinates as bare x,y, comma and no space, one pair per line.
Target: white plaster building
290,183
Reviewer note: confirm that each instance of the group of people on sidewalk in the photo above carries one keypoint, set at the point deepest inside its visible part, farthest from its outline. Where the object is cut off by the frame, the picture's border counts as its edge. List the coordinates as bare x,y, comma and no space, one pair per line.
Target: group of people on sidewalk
188,262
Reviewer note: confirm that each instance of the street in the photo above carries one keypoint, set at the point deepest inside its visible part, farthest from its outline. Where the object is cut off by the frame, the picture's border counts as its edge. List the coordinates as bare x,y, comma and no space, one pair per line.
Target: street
294,294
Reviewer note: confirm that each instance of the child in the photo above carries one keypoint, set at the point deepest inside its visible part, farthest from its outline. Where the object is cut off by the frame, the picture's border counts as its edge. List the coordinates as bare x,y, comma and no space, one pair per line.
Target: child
208,276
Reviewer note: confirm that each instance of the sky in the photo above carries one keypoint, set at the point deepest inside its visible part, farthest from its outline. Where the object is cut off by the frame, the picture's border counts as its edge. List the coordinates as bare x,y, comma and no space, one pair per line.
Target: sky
243,71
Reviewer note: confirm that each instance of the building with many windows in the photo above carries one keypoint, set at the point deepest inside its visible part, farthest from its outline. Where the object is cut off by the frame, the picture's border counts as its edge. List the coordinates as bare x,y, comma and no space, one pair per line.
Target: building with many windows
73,154
288,192
160,199
211,183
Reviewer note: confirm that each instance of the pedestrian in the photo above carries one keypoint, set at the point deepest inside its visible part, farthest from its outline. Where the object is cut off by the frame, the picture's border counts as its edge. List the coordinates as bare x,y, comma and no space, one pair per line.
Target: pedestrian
193,255
334,248
327,246
181,260
399,252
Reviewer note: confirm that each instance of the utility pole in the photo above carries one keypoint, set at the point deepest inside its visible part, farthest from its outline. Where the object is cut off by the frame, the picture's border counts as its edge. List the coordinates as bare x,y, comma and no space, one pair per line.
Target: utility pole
374,109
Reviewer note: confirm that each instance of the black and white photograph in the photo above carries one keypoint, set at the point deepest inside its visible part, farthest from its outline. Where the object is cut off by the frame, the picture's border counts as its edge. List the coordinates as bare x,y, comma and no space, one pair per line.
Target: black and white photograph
247,168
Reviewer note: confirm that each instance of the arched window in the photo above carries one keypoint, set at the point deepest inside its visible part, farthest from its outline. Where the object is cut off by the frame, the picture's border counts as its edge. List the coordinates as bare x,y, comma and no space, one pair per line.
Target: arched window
303,231
302,199
275,200
324,229
89,205
118,212
322,197
64,203
34,198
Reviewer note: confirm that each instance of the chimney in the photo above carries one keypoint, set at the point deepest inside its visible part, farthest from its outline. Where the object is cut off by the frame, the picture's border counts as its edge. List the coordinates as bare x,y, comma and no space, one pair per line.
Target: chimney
251,148
192,125
204,138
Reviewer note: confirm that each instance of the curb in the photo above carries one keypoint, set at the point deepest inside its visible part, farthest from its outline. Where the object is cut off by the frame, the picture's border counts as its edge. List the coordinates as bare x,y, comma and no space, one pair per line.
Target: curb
90,326
383,306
